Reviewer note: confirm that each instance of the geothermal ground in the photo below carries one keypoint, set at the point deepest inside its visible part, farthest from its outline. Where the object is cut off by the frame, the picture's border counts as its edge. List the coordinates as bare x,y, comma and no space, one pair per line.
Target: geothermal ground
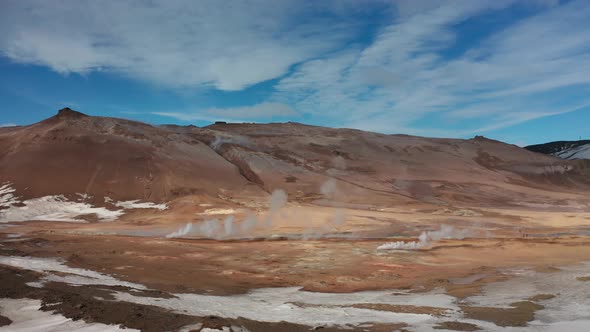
376,270
285,227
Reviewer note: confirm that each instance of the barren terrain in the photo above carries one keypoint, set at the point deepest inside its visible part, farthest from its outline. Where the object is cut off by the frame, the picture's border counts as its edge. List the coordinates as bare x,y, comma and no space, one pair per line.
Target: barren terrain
108,224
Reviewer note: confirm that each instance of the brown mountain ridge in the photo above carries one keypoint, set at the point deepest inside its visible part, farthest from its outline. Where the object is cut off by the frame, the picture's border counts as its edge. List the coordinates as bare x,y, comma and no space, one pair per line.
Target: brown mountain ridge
73,153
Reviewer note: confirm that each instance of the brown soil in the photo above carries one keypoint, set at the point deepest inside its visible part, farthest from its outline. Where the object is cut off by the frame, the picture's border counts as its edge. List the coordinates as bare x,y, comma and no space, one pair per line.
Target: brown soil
4,321
519,315
462,291
583,278
457,326
232,267
547,269
541,297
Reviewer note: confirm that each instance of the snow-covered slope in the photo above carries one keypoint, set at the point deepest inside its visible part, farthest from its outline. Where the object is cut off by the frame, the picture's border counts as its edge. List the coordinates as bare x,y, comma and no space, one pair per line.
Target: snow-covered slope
564,149
578,152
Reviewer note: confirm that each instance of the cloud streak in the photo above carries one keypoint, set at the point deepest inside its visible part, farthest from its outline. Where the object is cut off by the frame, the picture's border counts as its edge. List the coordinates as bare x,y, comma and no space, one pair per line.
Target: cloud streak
228,46
414,68
405,76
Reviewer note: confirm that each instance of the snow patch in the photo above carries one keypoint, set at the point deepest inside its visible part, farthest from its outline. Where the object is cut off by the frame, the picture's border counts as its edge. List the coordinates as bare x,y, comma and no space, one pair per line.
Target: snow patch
216,211
55,208
7,198
293,305
579,152
74,276
135,204
191,327
60,208
26,316
571,301
568,311
83,196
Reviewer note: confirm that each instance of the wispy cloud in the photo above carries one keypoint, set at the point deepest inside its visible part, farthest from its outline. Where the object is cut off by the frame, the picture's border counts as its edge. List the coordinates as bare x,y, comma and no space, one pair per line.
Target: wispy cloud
228,45
3,125
403,76
412,72
260,112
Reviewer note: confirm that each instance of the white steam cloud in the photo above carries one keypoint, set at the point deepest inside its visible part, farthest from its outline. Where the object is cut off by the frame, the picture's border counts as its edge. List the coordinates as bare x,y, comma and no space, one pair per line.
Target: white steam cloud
426,238
329,188
228,228
220,140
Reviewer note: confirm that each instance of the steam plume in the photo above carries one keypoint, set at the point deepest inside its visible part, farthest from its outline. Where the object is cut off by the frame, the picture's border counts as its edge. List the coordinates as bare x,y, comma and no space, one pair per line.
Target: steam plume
230,228
220,140
426,238
227,229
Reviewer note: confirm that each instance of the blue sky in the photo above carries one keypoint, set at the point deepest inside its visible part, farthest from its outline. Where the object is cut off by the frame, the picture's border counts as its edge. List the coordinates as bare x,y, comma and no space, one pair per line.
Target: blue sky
518,71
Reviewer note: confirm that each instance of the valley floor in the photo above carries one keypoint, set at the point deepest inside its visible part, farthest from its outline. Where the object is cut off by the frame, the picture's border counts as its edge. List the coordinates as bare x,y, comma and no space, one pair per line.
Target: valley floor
491,270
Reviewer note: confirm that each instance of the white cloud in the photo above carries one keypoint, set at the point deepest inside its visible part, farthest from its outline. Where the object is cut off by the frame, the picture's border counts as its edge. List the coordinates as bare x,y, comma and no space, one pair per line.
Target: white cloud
3,125
228,45
266,111
389,82
516,75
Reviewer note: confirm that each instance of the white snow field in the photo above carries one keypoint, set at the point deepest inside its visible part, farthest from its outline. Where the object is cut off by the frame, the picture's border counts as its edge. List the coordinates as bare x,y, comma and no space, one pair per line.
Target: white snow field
579,152
568,311
60,208
26,317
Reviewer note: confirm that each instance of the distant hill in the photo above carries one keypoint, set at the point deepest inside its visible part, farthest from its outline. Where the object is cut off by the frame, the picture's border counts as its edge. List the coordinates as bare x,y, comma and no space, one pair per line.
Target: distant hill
564,149
71,154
